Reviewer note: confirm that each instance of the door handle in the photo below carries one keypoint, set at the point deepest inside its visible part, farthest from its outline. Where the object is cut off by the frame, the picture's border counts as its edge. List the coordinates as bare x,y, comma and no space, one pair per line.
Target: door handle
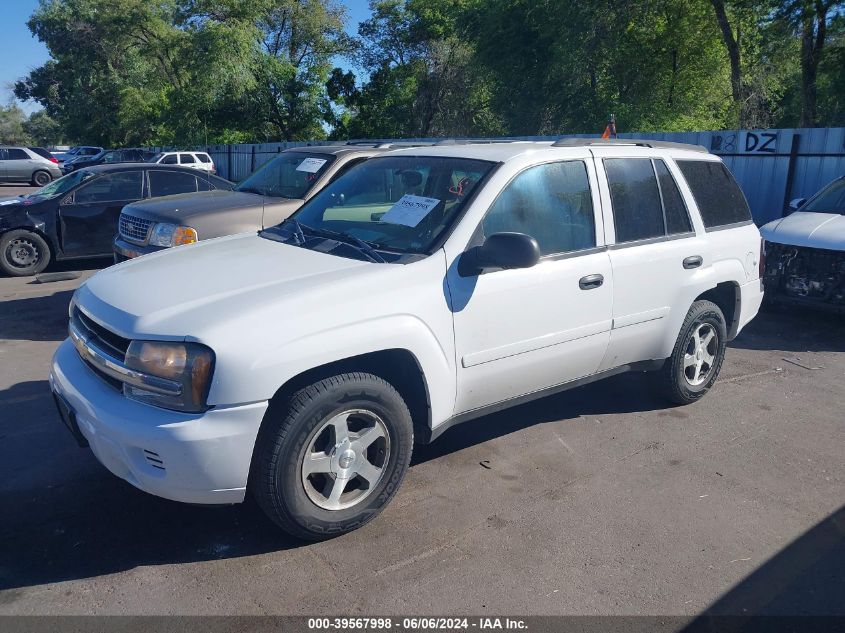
694,261
590,281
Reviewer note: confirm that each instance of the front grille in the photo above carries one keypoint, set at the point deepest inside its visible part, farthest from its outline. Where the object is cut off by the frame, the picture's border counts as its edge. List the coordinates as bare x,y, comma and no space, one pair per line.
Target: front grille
103,338
134,229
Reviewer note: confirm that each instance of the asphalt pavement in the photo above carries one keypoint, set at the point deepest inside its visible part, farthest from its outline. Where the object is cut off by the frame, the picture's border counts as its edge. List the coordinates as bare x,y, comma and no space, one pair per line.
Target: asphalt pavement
601,500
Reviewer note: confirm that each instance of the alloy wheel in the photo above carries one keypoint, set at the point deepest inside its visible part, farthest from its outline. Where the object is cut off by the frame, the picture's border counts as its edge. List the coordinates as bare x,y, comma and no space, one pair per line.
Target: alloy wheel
345,459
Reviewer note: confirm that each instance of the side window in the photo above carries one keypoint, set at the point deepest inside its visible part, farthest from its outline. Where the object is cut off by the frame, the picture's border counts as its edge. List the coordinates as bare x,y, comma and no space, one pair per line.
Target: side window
677,218
719,199
166,183
170,159
15,153
637,210
125,185
204,158
551,203
204,185
186,159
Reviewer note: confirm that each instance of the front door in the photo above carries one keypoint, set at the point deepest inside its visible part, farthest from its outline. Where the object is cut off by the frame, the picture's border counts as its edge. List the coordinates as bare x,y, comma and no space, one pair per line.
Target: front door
520,331
89,216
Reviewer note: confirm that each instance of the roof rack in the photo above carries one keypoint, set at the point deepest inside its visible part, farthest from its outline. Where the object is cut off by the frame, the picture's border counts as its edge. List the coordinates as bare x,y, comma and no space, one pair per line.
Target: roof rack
580,142
473,141
386,144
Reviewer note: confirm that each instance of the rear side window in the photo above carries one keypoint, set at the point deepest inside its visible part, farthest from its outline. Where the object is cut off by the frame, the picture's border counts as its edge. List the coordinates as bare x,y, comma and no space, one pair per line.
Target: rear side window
186,159
677,218
551,203
637,208
719,199
166,183
204,158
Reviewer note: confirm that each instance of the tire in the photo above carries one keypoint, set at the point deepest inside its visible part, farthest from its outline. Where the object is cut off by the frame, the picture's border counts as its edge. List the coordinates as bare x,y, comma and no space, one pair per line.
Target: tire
23,253
301,459
692,369
41,178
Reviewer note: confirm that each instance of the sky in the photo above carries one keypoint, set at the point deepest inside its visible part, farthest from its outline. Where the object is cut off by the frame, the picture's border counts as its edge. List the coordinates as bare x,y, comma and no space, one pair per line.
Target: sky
20,52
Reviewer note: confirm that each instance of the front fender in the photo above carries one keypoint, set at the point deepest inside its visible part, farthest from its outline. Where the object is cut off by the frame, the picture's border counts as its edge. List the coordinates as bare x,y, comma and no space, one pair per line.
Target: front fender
279,363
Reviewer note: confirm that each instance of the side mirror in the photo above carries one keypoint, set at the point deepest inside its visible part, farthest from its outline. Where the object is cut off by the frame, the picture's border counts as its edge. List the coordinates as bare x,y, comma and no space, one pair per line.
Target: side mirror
500,251
795,204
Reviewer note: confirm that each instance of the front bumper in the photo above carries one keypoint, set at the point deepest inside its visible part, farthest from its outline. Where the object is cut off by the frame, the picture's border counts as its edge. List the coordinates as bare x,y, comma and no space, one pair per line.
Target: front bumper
195,458
124,250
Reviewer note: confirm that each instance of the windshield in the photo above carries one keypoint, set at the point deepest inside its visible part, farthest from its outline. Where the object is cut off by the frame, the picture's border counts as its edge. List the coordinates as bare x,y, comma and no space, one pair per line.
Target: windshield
396,203
831,199
289,175
155,157
61,185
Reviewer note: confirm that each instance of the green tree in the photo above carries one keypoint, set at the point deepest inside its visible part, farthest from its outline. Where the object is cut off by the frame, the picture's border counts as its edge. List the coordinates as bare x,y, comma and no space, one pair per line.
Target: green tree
12,120
42,129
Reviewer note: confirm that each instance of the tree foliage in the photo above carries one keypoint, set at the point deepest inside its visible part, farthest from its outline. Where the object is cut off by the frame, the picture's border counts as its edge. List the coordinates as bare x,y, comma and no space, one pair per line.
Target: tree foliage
198,71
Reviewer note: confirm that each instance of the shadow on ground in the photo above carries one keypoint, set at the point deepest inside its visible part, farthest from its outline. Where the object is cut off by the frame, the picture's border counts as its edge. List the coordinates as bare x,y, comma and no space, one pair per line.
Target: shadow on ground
793,329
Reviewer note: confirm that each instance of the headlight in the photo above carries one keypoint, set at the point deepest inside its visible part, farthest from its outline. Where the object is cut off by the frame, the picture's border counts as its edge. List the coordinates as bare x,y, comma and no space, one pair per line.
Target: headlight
187,365
168,235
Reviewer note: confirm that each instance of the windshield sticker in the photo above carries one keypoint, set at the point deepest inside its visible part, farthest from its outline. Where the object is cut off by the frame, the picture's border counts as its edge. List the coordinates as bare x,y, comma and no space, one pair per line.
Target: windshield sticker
311,165
409,210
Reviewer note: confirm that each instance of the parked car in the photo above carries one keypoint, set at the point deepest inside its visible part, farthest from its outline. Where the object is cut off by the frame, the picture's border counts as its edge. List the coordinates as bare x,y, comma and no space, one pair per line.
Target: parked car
197,160
44,153
267,197
805,251
418,290
77,152
107,157
21,164
76,215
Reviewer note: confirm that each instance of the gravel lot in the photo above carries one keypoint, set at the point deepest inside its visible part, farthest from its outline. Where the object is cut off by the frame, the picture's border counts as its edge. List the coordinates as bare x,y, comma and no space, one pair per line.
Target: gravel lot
597,501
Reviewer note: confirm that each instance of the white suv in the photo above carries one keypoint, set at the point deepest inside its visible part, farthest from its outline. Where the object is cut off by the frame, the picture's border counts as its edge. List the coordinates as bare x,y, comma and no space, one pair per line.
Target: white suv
197,160
422,288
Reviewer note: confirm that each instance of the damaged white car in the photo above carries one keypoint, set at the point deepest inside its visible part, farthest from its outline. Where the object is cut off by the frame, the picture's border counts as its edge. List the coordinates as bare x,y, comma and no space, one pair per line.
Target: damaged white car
805,251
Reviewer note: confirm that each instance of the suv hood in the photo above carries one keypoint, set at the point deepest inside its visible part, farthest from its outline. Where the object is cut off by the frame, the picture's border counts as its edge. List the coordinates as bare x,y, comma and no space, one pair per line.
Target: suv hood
184,206
813,230
192,289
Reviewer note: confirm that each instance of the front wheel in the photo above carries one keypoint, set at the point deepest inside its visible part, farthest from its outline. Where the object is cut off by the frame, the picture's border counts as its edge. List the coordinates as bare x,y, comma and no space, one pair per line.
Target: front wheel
330,458
23,253
697,356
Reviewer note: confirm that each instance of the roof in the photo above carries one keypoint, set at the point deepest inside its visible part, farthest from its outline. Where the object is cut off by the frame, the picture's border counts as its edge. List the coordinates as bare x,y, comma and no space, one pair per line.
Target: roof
502,151
359,147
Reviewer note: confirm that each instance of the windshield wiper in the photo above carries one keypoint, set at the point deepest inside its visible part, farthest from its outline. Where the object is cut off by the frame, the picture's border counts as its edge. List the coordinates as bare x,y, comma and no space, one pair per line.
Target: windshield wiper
365,247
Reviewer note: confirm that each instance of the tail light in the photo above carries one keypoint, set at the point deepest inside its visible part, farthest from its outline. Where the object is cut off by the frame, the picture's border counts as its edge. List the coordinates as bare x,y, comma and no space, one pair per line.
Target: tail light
762,268
53,159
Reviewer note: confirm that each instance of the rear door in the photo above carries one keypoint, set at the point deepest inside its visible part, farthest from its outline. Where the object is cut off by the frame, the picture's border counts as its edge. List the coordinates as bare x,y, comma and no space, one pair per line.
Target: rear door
2,164
88,218
187,160
654,250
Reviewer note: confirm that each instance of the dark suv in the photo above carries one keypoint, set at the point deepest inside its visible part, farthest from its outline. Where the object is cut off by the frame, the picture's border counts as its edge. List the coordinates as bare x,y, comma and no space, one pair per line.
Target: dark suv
108,157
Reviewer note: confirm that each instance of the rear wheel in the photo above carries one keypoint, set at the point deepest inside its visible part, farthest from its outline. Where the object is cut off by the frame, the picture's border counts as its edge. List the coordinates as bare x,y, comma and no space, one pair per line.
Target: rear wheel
697,356
23,253
332,457
41,178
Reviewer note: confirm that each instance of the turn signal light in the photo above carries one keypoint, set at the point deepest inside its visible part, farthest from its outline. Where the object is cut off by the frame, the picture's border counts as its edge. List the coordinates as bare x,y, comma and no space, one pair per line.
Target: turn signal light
184,235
